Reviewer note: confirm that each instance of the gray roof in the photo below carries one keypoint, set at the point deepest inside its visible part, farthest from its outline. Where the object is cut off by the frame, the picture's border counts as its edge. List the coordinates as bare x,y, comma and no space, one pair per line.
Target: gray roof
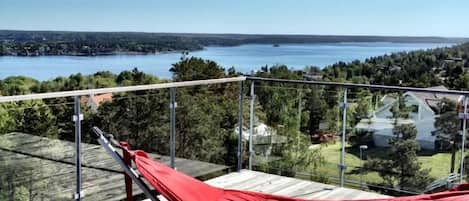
432,99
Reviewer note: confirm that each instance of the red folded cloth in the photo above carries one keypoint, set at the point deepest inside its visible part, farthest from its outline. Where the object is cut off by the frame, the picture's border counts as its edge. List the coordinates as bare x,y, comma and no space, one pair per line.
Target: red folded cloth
176,186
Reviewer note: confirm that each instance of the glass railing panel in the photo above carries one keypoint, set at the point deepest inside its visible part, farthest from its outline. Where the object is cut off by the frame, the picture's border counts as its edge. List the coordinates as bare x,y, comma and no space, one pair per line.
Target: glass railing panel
140,118
36,154
291,125
406,142
359,138
396,142
207,128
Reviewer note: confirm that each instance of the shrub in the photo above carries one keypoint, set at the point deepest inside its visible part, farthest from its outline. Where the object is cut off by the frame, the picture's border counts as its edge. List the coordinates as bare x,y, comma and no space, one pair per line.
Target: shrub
361,137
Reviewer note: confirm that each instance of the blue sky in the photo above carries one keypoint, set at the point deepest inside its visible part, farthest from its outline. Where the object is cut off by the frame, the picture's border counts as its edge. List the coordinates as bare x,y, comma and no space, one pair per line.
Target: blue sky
336,17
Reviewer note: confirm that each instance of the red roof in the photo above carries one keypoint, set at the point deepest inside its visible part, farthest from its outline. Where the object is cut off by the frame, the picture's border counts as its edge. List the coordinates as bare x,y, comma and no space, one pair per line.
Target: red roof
98,99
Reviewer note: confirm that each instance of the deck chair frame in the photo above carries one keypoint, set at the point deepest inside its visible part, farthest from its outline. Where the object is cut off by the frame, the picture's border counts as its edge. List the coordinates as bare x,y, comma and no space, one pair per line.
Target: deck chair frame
128,169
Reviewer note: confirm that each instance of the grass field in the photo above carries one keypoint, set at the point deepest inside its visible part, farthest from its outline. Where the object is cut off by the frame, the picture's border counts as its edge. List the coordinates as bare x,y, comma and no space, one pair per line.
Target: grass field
439,163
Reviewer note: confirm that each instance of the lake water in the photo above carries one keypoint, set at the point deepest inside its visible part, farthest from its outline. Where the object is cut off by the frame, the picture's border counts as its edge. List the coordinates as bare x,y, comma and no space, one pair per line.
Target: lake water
244,58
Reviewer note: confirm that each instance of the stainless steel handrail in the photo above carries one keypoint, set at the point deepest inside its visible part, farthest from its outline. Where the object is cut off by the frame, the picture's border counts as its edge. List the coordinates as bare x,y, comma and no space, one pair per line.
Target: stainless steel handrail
353,85
118,89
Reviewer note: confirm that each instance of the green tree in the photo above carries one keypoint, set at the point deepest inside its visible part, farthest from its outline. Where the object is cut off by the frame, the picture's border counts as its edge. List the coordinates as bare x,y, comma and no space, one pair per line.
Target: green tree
313,70
316,106
18,85
205,115
34,117
135,77
7,117
401,168
129,118
400,109
194,68
404,159
333,119
278,101
296,156
462,82
363,107
447,126
2,49
360,137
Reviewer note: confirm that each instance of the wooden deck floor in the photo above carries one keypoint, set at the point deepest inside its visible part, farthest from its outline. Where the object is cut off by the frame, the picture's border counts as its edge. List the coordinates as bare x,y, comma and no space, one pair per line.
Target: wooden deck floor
50,172
279,185
286,186
47,168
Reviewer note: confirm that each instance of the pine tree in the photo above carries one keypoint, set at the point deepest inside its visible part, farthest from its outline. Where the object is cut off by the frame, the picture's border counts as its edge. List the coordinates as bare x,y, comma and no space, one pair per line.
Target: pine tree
34,117
447,127
401,168
317,108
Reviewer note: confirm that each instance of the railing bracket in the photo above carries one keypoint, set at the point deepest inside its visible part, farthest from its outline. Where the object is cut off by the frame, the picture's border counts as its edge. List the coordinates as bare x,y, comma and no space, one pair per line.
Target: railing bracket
341,166
343,105
77,118
77,196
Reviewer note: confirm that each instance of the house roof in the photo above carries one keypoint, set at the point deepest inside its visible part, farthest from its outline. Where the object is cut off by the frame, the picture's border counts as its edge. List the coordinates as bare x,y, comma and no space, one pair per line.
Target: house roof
98,99
432,99
102,98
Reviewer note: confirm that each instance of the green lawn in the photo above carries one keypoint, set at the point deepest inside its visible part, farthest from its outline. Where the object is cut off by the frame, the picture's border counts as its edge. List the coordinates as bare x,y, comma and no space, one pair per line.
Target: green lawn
439,163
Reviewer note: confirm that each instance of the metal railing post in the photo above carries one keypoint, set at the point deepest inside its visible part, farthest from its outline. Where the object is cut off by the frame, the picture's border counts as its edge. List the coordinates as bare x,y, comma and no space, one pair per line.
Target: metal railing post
361,168
342,166
298,116
240,137
77,118
463,139
172,128
251,123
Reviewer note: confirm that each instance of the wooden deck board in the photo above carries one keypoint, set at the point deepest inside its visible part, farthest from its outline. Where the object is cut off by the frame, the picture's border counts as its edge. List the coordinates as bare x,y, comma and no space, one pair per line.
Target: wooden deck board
286,186
52,163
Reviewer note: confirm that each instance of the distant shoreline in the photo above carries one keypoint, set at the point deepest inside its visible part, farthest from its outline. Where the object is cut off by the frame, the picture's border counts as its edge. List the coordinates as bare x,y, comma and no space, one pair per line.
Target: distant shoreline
58,43
100,55
130,53
245,58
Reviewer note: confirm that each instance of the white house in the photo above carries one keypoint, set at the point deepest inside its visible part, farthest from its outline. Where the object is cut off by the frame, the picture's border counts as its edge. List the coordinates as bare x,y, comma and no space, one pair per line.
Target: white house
422,115
263,138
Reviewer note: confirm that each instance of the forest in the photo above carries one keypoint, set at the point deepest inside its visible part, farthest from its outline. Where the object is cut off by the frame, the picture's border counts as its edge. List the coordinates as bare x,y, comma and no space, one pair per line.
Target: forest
38,43
207,115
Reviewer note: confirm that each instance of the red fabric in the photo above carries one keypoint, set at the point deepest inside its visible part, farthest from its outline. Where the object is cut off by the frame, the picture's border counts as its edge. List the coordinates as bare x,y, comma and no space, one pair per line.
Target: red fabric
176,186
128,180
